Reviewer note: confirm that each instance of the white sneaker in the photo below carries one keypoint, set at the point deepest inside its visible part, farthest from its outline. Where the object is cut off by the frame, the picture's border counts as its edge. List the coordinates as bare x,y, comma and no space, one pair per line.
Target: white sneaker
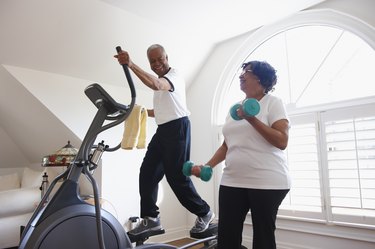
202,223
147,224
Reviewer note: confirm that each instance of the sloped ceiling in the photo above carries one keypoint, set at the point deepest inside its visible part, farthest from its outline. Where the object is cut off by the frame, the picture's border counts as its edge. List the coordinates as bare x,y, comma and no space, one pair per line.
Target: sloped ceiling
78,38
30,130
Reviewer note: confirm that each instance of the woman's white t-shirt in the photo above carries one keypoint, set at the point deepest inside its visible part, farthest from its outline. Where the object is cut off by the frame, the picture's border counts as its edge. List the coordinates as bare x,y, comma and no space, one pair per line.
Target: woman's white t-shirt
171,105
251,161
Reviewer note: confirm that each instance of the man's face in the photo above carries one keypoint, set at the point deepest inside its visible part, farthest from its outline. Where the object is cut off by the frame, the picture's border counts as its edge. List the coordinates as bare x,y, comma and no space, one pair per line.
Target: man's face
158,61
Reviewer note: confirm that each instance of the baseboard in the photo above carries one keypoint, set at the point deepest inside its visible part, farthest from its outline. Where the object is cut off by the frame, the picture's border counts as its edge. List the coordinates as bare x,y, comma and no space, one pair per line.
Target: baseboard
248,241
281,245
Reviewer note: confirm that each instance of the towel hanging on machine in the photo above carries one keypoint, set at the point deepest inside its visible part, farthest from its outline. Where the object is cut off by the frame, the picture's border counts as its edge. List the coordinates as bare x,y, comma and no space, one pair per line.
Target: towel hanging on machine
135,129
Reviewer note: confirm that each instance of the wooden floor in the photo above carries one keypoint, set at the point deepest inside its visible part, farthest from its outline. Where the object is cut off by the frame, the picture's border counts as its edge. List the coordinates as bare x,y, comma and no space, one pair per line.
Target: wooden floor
185,241
180,242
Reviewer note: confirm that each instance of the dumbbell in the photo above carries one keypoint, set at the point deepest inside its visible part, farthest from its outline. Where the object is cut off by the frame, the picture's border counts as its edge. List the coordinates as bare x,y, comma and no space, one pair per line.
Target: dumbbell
249,106
205,171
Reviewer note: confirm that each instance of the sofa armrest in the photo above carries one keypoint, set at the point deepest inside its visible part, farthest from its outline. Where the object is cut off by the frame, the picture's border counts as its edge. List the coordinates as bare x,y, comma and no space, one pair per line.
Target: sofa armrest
18,201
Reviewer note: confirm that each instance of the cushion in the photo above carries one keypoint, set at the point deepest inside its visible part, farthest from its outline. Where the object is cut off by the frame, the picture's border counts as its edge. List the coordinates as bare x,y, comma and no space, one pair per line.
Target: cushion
10,181
18,201
31,178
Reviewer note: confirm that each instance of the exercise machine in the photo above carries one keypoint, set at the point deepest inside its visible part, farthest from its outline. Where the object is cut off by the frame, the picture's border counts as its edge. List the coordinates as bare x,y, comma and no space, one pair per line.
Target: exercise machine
208,238
66,220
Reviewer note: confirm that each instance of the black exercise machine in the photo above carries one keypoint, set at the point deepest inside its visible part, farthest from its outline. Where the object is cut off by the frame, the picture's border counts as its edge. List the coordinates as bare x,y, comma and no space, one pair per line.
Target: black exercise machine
210,232
67,221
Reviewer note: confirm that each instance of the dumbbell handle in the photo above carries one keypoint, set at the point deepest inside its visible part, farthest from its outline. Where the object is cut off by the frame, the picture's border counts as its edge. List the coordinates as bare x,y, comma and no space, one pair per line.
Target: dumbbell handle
205,171
249,106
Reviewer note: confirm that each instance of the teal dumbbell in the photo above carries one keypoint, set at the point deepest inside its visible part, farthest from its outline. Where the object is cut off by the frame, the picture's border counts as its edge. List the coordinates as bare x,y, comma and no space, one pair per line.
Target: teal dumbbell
249,106
206,171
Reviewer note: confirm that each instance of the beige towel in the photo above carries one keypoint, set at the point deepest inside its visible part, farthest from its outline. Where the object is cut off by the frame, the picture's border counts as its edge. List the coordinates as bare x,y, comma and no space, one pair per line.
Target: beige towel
135,129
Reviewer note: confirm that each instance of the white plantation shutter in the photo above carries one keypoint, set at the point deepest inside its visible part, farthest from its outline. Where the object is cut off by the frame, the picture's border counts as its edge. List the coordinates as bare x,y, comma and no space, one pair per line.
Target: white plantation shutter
304,198
350,148
331,156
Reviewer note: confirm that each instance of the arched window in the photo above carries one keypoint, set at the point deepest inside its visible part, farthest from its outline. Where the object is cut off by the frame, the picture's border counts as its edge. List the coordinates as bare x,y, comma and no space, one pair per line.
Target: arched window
324,62
316,65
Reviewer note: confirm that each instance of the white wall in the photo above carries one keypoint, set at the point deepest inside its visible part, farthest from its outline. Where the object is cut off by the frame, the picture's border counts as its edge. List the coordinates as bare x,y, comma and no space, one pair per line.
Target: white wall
203,98
8,159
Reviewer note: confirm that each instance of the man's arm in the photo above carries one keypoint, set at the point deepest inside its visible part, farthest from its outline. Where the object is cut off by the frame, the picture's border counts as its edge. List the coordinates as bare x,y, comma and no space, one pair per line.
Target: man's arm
153,82
150,113
157,84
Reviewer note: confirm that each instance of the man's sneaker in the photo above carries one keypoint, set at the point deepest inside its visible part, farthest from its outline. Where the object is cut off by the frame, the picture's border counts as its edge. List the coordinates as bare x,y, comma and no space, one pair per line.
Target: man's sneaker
147,225
202,223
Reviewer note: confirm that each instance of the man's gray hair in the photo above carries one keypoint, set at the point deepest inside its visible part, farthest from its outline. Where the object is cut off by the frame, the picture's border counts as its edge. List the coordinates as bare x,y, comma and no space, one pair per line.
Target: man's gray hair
153,46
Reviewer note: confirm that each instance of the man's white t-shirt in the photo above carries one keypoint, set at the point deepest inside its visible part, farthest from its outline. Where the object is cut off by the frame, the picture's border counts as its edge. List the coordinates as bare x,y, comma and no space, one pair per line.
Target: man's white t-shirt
171,105
251,161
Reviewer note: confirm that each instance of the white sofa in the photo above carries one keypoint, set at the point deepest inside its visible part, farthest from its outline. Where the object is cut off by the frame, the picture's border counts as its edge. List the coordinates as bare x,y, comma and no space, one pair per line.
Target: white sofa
19,195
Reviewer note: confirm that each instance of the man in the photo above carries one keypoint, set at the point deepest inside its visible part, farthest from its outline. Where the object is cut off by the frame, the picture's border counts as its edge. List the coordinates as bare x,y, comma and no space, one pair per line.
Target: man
169,147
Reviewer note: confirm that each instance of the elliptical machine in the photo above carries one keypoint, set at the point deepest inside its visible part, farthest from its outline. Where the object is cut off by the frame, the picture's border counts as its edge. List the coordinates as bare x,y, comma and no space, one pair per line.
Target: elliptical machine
67,221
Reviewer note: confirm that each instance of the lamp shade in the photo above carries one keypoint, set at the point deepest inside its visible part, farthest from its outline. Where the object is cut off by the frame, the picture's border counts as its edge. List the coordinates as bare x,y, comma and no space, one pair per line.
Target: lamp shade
62,157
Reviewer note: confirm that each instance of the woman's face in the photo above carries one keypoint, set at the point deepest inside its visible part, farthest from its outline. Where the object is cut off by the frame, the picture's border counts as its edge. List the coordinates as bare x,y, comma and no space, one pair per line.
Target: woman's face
250,84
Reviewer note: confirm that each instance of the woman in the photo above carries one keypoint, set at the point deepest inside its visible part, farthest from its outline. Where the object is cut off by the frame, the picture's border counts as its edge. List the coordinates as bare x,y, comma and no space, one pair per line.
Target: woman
256,175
